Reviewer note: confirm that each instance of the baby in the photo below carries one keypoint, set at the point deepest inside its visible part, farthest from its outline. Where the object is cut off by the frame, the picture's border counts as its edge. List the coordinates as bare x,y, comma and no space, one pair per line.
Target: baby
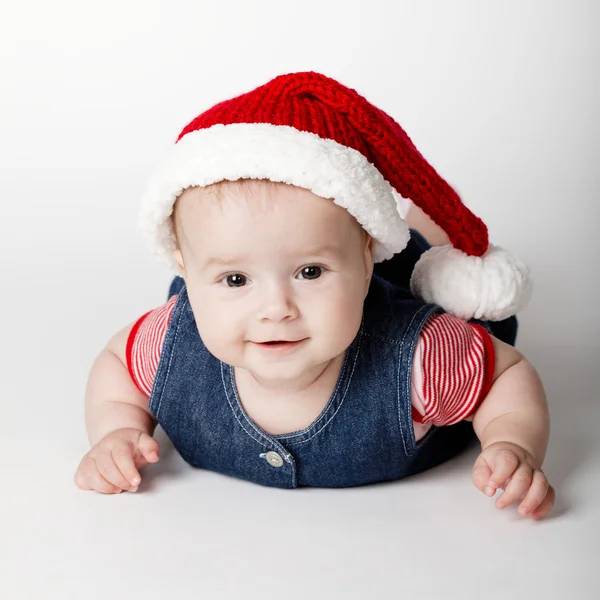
310,338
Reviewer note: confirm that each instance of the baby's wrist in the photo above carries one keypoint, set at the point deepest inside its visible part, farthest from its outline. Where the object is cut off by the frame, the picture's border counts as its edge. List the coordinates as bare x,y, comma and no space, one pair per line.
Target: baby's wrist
124,416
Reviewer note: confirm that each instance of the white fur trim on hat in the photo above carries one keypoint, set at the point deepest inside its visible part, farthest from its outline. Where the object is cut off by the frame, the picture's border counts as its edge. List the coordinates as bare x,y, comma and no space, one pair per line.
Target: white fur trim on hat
278,153
489,287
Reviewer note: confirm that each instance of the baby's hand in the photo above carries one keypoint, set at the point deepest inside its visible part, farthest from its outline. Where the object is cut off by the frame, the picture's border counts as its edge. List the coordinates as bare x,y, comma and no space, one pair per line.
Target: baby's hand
509,467
113,464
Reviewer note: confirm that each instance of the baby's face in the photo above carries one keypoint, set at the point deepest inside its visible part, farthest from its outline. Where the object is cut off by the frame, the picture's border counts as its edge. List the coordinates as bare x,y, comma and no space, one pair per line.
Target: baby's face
276,276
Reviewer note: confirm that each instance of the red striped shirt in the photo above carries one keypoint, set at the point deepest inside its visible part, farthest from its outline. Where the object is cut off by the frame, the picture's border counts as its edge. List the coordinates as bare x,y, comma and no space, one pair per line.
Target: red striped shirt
453,365
145,343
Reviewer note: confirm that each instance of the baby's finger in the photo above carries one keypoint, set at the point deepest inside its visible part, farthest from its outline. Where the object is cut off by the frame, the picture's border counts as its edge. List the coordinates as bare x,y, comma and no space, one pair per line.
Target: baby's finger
536,494
504,464
107,468
123,457
98,483
81,481
82,484
546,506
149,448
481,474
518,487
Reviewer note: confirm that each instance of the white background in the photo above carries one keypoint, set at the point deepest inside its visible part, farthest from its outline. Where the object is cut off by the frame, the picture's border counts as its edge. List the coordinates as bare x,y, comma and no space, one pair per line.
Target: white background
501,97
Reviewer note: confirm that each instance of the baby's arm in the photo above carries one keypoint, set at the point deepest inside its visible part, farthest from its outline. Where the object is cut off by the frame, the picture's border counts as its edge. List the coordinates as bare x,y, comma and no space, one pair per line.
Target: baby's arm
119,424
113,401
513,426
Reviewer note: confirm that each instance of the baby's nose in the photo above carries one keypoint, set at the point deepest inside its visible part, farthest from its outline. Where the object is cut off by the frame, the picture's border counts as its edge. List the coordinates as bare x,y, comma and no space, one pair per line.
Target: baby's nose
278,304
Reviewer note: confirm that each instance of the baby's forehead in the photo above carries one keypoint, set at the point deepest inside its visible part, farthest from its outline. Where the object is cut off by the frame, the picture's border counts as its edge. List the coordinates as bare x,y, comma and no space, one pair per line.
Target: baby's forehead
257,213
251,192
253,197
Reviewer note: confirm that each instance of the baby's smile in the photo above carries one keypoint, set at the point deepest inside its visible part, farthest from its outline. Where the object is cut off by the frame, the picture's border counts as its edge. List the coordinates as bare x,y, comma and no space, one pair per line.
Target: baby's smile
279,346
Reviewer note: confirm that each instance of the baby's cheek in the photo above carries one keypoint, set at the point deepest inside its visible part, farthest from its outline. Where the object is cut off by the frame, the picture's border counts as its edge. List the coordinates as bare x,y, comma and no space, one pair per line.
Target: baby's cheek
221,347
223,338
342,320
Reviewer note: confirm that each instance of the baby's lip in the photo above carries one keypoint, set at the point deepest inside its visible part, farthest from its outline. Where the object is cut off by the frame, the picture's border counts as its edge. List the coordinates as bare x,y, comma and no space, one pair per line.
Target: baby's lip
280,341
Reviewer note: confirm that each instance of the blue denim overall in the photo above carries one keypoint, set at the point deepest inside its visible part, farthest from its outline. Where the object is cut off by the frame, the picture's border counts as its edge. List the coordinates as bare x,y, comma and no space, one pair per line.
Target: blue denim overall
363,435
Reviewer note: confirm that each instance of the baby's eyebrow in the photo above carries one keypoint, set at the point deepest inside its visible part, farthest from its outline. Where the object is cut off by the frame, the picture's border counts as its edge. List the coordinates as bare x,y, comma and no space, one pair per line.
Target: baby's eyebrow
328,250
221,261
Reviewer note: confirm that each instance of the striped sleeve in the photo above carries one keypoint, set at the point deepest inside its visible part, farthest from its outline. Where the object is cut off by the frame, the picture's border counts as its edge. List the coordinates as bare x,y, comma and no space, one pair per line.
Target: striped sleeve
455,370
145,343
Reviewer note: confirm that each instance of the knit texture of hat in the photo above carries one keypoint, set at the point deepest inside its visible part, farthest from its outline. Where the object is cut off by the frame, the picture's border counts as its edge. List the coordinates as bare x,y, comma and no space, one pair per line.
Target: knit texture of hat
308,130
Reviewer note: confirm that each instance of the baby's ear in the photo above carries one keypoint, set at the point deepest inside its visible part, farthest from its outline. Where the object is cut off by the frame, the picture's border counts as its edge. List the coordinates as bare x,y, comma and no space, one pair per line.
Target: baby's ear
369,260
178,257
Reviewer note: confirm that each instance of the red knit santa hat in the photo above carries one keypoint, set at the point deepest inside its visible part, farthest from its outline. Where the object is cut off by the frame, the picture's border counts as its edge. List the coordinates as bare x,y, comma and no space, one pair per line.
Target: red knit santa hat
310,131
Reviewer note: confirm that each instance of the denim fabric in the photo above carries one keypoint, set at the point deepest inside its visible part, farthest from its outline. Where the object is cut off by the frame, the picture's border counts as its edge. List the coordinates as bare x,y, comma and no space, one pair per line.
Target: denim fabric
363,435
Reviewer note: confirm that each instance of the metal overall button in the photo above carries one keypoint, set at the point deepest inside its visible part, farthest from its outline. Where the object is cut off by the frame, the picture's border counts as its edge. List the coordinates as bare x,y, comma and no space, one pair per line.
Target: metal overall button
273,459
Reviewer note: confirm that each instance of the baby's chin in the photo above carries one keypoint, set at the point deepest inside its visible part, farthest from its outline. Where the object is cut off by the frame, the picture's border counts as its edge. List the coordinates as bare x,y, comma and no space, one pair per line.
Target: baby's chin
278,366
285,373
278,370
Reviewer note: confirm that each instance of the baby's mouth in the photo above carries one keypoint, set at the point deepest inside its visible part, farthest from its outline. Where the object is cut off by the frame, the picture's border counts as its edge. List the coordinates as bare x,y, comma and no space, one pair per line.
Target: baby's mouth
279,344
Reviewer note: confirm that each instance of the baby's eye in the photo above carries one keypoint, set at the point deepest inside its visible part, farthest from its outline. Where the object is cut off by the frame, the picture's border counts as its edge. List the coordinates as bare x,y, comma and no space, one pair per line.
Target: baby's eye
312,272
235,280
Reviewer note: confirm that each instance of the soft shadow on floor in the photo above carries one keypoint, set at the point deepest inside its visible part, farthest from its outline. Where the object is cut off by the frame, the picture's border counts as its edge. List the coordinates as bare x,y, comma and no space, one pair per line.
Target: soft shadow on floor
571,378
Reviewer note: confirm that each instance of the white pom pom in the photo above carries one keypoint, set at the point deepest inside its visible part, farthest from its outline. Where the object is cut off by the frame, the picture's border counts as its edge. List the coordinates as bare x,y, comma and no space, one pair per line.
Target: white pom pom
491,287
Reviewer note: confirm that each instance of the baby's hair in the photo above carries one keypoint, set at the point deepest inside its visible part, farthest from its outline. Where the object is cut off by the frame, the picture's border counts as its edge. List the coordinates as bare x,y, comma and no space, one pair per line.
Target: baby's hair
222,190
